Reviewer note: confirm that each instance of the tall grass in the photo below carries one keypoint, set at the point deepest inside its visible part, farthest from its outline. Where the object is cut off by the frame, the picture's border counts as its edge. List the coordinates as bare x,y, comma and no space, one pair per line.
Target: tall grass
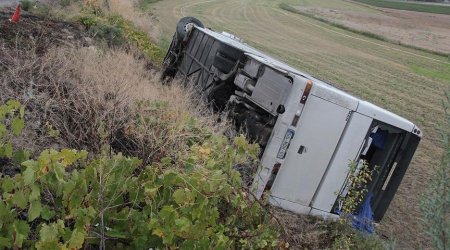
435,201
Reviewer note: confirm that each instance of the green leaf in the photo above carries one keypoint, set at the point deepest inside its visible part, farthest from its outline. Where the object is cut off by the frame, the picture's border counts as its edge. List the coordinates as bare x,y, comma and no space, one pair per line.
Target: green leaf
35,210
13,104
28,175
17,126
51,232
21,230
19,199
8,150
151,192
183,224
166,161
35,193
116,234
4,211
7,184
179,196
76,240
3,130
168,213
47,213
5,242
21,156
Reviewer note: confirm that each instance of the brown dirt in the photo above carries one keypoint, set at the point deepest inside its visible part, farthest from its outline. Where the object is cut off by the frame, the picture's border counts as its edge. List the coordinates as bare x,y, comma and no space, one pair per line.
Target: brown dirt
39,33
23,50
424,30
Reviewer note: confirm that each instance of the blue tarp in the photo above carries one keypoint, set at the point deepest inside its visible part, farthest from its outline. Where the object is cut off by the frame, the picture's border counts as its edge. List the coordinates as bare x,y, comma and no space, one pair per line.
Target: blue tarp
363,221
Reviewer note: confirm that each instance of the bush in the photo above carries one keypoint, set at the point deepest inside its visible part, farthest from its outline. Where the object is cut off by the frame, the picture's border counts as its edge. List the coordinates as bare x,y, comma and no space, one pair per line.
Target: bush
115,29
27,4
63,200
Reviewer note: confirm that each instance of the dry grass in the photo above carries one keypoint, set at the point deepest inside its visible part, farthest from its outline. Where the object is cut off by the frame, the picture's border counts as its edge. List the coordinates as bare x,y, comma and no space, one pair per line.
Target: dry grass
93,96
304,232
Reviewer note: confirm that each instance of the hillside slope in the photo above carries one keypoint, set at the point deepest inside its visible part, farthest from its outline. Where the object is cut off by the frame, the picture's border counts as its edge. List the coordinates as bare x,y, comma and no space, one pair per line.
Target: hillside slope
406,81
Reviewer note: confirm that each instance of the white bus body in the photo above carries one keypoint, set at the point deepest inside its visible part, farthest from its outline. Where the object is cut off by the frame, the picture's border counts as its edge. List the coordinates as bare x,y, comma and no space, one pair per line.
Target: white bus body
309,130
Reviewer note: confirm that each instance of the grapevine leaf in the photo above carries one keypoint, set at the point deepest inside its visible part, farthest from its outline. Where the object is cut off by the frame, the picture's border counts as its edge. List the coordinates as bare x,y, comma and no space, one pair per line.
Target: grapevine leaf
8,150
21,230
21,156
183,224
4,212
28,175
35,210
151,192
47,213
13,104
7,184
17,126
180,196
19,199
49,233
5,242
76,240
116,234
189,164
35,193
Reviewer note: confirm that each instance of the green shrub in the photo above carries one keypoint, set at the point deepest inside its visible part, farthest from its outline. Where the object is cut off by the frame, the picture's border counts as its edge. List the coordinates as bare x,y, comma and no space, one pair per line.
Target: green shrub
111,34
115,27
138,37
345,236
11,125
27,4
69,199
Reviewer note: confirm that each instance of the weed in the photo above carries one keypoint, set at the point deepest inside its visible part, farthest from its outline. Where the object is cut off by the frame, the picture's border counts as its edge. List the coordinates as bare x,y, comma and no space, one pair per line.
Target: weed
27,4
435,201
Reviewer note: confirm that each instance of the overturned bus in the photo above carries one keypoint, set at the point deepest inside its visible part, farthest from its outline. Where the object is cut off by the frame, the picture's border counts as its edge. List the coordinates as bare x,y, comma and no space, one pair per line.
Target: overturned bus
309,130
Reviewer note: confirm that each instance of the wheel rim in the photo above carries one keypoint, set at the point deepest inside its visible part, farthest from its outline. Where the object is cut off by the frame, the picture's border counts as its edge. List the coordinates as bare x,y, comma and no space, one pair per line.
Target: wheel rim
188,27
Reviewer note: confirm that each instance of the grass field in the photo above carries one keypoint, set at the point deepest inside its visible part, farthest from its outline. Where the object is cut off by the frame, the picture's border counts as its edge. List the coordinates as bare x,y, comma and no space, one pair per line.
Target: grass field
430,8
403,80
427,31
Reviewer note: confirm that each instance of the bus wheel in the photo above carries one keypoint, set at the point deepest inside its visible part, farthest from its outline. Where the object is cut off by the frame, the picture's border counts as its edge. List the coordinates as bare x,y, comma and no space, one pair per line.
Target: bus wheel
185,25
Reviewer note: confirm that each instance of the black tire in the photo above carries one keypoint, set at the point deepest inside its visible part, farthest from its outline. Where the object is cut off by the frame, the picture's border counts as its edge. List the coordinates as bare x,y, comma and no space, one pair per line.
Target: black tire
183,26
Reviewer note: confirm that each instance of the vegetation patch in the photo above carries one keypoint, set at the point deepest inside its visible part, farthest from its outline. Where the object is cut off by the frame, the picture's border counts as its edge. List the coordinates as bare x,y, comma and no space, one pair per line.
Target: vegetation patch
403,5
68,199
64,182
361,32
441,73
115,30
145,4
